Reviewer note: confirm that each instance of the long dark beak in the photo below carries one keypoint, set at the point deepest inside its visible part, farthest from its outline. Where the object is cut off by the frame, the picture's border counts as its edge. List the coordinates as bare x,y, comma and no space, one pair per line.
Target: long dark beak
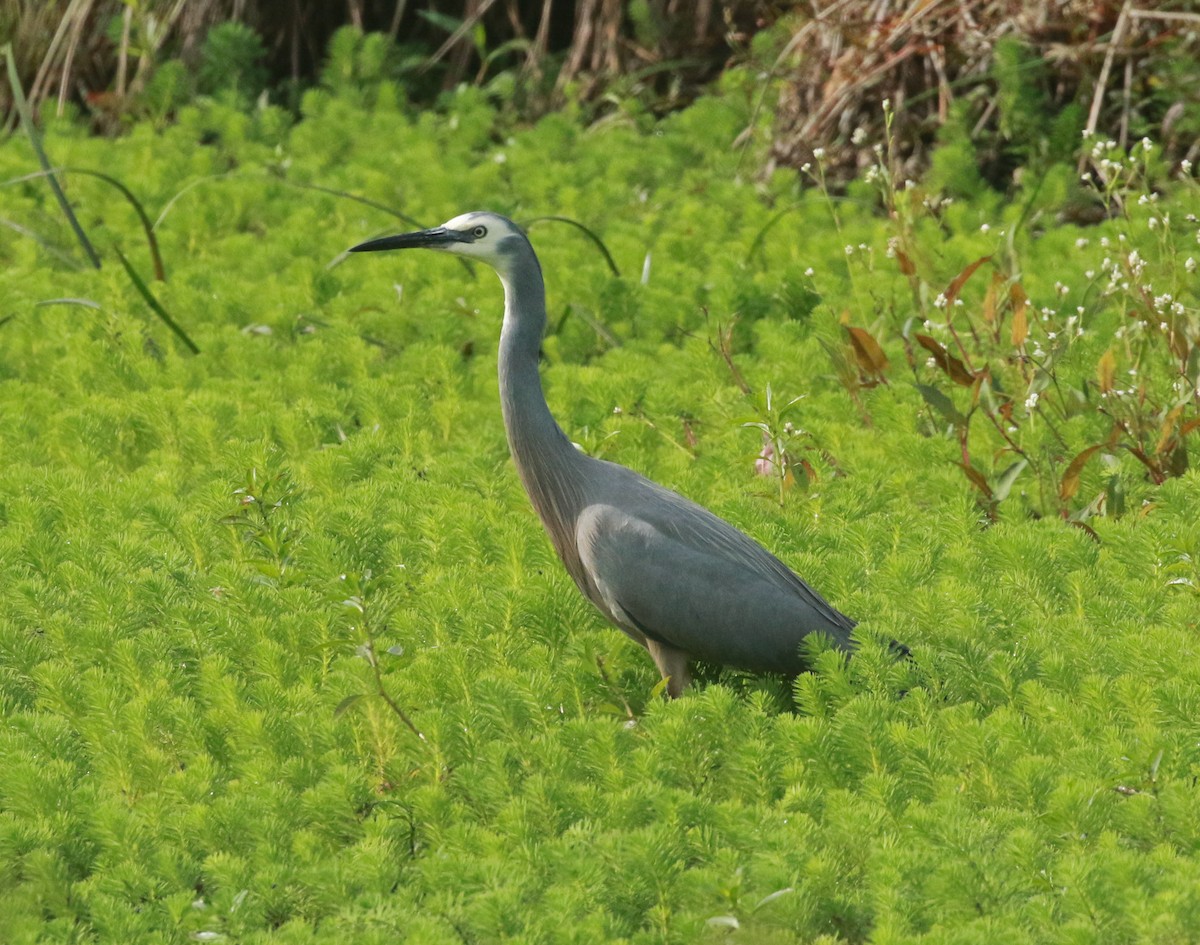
436,238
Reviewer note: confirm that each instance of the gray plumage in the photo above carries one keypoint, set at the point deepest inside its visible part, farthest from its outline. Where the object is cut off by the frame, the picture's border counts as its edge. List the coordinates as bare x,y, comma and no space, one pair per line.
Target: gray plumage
676,578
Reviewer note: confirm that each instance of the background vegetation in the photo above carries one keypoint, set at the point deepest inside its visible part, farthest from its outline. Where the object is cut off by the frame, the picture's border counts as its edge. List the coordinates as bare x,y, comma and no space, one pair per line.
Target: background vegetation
284,656
1121,70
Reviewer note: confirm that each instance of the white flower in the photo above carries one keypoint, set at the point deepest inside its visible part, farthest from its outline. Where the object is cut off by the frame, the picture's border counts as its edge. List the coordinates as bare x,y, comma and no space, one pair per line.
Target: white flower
809,271
859,136
940,301
1082,242
819,153
1031,401
1190,264
985,227
849,250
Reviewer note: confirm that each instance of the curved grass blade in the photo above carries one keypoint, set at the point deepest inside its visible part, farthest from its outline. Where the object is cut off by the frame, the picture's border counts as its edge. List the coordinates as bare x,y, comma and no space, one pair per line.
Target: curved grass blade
190,185
147,226
86,303
53,250
160,272
365,201
345,194
154,304
756,244
588,233
22,107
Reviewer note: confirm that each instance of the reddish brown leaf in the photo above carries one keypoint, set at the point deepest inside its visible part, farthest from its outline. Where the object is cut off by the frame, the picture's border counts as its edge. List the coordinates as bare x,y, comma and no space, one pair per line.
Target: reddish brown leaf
1189,427
1166,432
1020,302
1106,370
905,264
1070,480
1156,474
866,349
977,478
950,365
989,300
1179,344
961,279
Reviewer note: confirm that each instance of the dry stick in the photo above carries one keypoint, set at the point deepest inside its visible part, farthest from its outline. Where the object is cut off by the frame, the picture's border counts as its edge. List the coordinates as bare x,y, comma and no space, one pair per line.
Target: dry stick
397,16
69,59
123,54
43,73
541,39
465,27
1165,15
1102,82
1126,102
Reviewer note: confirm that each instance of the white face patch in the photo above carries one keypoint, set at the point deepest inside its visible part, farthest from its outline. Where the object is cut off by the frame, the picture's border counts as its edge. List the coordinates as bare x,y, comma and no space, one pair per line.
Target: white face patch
486,231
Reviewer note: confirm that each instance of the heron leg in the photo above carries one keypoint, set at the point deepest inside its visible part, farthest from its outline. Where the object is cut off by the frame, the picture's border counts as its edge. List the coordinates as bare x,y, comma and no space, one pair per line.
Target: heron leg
672,663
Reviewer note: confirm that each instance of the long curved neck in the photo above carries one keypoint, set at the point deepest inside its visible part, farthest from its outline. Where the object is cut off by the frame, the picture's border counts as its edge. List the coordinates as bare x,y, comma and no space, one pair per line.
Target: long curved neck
543,455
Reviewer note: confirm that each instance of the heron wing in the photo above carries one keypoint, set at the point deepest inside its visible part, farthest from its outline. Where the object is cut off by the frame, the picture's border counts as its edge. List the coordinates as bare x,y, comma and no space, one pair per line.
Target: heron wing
696,527
678,574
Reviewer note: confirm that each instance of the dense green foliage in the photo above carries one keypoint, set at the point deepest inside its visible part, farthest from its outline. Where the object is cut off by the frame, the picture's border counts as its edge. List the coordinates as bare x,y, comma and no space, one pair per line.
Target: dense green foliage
206,558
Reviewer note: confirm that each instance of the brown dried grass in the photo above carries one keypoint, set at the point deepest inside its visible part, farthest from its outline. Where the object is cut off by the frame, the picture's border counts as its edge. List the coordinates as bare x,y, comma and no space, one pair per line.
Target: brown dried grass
837,63
845,58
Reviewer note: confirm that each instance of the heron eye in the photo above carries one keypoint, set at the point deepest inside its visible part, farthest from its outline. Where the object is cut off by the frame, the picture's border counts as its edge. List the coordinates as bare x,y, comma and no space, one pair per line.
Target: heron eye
479,232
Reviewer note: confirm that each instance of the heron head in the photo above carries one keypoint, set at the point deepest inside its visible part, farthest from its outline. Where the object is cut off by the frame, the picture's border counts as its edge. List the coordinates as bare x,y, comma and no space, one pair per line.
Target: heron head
488,237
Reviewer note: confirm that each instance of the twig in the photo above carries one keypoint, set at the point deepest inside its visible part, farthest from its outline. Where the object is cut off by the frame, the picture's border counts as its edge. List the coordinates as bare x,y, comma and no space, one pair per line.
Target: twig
384,694
1118,36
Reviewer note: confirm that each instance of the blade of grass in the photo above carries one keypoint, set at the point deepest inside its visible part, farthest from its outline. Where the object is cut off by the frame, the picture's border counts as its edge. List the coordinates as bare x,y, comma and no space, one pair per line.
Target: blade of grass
86,303
22,107
154,304
53,250
588,233
365,201
143,217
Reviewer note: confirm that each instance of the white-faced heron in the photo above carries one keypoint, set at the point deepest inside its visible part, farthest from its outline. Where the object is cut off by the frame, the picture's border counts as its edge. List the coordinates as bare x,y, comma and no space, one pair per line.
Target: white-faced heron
680,581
